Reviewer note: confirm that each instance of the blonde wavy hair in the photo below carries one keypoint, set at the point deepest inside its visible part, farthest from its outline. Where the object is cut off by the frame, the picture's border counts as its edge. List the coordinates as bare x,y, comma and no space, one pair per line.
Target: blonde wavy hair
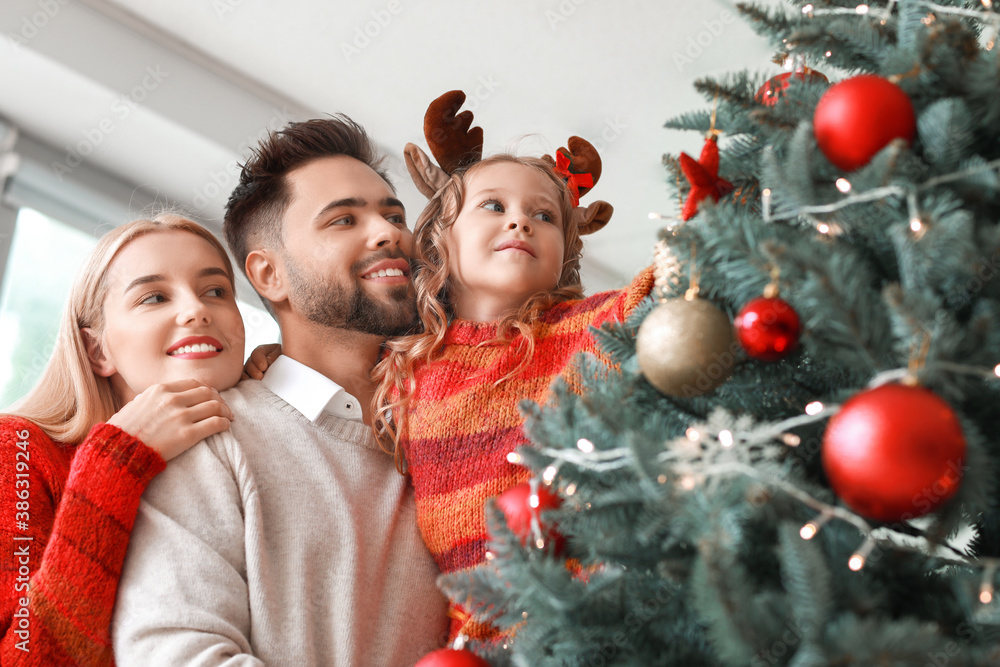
69,398
395,372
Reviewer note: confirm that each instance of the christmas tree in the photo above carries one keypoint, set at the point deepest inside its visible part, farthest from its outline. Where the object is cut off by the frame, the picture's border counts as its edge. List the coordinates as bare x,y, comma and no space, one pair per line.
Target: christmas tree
798,429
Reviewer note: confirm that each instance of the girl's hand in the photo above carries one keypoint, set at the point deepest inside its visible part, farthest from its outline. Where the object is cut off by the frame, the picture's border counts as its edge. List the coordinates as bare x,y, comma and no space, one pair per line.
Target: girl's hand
261,357
174,416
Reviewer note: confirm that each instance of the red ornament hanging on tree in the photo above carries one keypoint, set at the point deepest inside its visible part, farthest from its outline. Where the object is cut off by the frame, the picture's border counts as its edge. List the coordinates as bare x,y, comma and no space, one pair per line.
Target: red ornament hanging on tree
768,328
521,506
860,116
449,657
775,87
703,175
894,452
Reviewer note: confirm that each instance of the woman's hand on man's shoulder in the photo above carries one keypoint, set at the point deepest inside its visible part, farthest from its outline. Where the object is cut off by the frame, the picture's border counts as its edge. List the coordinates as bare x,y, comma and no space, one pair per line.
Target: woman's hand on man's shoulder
172,417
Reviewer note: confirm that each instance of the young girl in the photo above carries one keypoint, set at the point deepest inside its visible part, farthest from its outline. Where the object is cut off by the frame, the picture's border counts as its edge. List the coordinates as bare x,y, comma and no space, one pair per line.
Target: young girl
499,295
150,335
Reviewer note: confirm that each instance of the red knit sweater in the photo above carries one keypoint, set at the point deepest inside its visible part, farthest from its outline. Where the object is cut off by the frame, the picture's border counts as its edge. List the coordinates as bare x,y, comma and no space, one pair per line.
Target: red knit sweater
65,517
462,425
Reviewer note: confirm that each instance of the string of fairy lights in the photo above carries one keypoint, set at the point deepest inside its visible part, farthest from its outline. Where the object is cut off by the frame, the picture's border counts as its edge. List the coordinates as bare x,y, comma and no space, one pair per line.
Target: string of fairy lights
910,193
688,476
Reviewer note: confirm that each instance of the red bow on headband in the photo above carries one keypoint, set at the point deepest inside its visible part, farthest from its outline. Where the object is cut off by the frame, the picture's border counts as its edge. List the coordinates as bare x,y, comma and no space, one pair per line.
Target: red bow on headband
573,181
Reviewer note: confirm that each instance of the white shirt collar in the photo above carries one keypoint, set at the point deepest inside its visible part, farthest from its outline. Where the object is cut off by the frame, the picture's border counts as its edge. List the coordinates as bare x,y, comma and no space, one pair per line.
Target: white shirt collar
309,391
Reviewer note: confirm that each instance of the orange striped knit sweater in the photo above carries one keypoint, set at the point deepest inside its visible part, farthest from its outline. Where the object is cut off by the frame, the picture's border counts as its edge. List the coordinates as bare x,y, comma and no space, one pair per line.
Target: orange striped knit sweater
62,548
461,426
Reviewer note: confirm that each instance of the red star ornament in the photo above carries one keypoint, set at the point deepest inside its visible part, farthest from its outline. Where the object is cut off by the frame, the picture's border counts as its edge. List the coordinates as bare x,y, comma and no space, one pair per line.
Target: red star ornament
703,176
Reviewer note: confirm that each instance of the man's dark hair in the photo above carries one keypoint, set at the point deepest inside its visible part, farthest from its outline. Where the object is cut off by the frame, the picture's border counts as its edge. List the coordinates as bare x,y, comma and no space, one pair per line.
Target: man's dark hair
259,200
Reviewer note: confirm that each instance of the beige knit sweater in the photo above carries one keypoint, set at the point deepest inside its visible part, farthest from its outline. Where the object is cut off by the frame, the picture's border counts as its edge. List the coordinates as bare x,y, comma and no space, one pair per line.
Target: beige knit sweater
279,542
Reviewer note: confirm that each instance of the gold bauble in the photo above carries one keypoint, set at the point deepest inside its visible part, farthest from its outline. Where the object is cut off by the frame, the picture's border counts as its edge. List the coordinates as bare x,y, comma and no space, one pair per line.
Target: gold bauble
686,348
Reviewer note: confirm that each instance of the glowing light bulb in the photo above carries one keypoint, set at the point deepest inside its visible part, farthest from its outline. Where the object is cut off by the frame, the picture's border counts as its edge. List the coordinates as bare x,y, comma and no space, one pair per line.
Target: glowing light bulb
549,474
916,225
862,9
986,594
857,560
843,185
693,435
791,440
571,489
823,228
814,408
514,457
687,482
662,479
726,438
489,555
996,370
828,54
540,543
533,501
808,531
584,445
807,9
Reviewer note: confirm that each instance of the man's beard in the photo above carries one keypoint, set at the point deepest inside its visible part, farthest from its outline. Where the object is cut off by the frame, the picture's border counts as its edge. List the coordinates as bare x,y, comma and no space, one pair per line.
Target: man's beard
349,307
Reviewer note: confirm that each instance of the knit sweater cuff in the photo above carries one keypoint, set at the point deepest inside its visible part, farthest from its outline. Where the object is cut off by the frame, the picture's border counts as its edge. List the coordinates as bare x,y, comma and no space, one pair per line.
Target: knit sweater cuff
114,462
641,287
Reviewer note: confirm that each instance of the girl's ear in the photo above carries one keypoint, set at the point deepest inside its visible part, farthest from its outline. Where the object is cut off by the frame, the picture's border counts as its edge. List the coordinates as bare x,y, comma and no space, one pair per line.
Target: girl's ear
99,361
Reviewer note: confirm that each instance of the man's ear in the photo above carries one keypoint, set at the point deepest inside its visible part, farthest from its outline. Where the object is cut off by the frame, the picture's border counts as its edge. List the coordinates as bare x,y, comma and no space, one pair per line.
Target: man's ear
99,361
266,273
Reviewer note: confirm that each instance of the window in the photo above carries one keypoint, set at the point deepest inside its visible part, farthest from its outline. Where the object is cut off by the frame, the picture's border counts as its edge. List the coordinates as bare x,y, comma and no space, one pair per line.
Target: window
44,257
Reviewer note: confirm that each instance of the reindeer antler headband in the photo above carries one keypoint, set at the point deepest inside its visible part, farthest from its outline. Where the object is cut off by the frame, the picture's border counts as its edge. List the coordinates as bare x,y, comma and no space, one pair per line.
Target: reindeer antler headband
456,144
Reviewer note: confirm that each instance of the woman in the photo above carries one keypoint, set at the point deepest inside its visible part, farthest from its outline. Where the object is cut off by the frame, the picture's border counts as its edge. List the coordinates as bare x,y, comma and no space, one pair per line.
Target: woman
149,337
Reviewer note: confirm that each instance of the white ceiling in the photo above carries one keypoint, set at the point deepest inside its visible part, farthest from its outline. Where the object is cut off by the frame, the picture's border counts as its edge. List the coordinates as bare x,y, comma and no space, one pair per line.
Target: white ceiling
209,75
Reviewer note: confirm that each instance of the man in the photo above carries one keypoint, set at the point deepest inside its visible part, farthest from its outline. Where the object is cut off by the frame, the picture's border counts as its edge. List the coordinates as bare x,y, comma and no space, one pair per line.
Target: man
291,539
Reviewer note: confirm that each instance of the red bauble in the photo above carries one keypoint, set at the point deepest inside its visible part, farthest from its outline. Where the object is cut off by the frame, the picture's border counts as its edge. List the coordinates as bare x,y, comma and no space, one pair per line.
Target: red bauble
774,88
515,503
449,657
768,328
894,452
858,117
